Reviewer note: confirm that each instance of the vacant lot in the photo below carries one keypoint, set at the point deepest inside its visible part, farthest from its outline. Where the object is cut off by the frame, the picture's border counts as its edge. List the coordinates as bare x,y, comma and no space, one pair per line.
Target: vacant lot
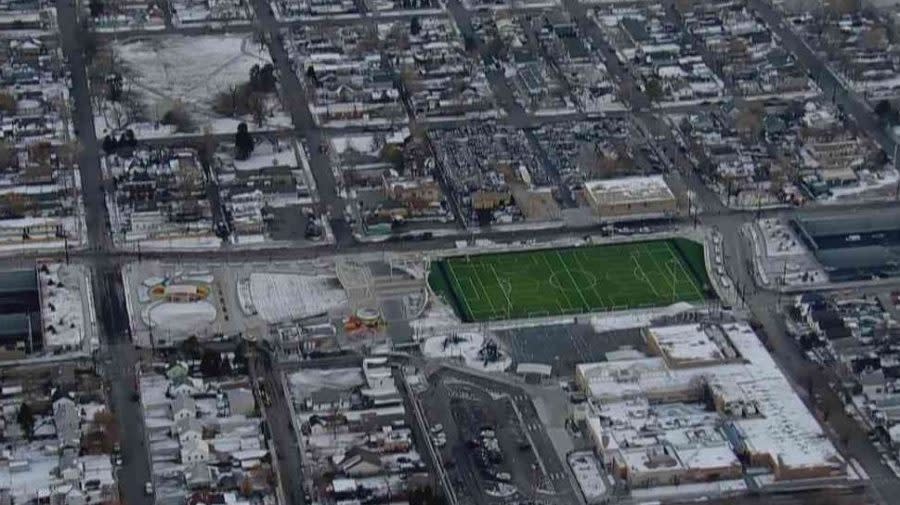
573,280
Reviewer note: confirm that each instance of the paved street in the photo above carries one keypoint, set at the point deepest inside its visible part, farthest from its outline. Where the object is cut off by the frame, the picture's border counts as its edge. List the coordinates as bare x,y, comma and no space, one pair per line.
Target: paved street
828,82
265,375
119,354
296,102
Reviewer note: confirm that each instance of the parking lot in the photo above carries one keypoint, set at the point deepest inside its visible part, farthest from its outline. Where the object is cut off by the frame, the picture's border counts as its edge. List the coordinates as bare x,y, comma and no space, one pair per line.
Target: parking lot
563,346
492,443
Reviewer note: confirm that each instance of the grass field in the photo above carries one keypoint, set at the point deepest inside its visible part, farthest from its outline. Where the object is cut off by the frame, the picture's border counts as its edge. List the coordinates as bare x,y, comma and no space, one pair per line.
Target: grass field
573,280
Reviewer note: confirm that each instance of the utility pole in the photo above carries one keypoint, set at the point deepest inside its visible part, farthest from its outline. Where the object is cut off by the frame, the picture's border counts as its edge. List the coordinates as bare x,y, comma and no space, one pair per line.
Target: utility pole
896,163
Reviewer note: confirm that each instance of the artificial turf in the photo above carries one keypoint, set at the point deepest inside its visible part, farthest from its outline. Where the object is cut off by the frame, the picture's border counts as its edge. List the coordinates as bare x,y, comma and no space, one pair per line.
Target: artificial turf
572,280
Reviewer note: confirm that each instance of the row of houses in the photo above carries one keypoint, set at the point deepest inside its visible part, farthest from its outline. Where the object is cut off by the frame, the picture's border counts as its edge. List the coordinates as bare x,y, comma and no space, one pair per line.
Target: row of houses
39,184
60,440
159,195
204,430
356,439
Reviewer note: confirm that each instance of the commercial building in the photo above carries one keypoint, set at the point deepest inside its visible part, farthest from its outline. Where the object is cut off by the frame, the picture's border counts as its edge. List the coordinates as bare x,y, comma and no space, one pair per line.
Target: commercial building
709,402
20,312
854,247
631,198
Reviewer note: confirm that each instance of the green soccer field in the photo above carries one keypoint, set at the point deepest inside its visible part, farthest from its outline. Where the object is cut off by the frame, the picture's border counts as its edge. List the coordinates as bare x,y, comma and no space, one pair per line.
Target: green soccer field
572,280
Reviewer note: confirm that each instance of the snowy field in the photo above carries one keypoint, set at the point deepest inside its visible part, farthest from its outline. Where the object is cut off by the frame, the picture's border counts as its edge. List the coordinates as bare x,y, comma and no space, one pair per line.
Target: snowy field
304,382
63,302
466,346
280,297
179,318
192,70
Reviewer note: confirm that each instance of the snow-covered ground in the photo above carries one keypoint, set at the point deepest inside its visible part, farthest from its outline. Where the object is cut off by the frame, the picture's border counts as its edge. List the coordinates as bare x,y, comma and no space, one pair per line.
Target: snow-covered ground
191,70
179,318
636,318
440,315
465,345
266,155
281,296
182,243
303,382
63,307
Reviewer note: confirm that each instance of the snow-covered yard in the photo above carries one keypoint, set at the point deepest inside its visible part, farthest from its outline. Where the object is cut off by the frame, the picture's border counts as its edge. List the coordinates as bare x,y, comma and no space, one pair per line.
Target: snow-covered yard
164,71
179,319
468,347
304,382
63,301
283,296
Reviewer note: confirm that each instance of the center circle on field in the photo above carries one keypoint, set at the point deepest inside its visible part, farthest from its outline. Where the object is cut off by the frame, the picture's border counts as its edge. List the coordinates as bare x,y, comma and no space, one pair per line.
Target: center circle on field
582,279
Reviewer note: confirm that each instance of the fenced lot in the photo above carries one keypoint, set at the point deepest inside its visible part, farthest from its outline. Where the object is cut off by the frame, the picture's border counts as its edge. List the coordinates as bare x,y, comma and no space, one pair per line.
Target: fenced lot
573,280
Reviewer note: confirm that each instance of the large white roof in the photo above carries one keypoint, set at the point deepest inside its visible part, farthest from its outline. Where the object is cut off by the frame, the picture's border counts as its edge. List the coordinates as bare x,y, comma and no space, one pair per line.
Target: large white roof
630,189
781,426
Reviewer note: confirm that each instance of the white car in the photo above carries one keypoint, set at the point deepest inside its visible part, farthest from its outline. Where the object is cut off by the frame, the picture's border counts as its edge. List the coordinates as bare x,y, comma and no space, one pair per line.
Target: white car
148,488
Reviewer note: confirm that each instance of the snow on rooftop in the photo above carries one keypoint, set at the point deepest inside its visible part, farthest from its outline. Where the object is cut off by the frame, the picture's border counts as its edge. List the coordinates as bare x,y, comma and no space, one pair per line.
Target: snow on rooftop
630,189
685,344
587,473
780,425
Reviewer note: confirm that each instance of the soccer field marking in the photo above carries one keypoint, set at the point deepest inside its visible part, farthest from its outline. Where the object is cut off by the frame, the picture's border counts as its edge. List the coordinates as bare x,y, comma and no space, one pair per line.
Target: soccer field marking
461,293
690,277
662,272
506,293
530,285
584,302
643,275
603,304
487,295
559,289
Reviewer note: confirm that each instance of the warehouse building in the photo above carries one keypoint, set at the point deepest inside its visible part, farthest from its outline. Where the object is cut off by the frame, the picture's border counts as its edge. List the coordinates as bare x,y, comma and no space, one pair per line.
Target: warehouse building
858,246
20,313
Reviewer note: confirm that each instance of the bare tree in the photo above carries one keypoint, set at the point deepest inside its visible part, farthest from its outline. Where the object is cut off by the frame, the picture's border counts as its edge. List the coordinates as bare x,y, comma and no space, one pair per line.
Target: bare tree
7,102
749,121
207,146
874,39
8,156
838,8
256,103
179,117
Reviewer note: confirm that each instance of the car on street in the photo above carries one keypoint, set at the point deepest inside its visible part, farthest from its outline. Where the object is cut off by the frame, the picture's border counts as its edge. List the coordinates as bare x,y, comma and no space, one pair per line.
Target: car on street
148,488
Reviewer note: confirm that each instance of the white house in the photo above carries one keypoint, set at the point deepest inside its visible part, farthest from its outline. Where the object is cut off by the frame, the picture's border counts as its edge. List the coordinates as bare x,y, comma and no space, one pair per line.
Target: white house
183,407
187,430
194,451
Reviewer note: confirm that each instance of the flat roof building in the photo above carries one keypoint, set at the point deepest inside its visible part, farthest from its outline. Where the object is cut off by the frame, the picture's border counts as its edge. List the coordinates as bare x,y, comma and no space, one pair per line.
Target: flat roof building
629,198
711,396
20,312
